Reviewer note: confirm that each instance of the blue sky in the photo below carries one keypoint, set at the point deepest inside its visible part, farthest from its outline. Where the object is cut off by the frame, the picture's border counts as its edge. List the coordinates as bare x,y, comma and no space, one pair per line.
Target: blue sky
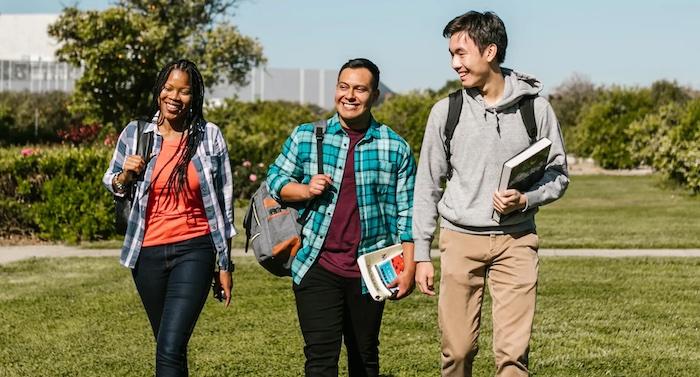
610,42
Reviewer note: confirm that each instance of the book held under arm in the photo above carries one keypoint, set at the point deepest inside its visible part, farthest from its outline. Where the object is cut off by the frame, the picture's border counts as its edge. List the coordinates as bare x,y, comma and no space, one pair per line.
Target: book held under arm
379,269
524,169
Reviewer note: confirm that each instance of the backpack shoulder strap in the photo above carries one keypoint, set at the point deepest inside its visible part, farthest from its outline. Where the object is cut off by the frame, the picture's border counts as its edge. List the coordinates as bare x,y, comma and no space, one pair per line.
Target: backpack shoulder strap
453,112
320,130
144,140
527,112
320,127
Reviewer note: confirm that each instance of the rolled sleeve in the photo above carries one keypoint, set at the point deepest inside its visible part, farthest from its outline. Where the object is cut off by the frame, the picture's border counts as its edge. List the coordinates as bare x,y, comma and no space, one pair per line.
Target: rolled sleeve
286,168
123,149
404,195
226,186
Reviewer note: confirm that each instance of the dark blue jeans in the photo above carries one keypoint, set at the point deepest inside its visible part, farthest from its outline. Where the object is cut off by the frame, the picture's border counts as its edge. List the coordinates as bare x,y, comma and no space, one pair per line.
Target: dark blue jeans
173,281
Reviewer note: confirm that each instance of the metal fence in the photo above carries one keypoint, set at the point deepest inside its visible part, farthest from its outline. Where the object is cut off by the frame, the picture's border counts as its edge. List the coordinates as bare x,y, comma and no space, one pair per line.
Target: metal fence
37,75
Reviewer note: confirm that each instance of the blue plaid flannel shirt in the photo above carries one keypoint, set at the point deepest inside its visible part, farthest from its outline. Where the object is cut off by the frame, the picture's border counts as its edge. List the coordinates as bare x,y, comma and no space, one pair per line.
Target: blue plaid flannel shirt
216,181
384,173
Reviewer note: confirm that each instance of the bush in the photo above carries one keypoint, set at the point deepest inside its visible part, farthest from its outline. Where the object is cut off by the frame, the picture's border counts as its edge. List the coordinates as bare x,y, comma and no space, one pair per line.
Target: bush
247,177
569,100
56,191
19,109
669,141
596,121
407,114
255,131
601,132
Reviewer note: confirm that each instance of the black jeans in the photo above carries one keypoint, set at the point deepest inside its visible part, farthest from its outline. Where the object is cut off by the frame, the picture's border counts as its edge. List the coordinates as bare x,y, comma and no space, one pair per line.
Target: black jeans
332,308
173,281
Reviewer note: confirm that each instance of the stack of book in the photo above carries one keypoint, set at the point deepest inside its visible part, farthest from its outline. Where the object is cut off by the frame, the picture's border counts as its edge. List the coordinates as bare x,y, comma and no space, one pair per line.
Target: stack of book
379,269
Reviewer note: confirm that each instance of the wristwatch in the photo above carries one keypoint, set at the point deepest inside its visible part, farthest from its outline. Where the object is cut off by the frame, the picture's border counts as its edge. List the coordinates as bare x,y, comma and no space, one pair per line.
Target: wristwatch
118,185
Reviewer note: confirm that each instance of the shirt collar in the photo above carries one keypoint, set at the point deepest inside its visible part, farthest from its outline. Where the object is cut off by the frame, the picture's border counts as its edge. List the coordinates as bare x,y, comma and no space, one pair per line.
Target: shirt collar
151,127
335,127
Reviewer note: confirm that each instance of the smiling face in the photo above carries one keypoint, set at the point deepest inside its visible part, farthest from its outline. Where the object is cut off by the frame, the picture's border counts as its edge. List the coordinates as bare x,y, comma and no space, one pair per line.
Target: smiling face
354,96
472,65
175,97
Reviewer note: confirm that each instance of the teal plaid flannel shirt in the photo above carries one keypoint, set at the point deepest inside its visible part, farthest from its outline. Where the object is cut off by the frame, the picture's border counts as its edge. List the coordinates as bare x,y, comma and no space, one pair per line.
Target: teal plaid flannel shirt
384,173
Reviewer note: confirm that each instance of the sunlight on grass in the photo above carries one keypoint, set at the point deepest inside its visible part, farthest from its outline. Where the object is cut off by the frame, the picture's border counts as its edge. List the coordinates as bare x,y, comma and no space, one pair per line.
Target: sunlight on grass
595,317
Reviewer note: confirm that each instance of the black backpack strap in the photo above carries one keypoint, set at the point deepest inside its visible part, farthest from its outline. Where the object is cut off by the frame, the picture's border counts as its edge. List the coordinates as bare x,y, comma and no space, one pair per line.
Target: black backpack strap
320,131
453,112
247,222
144,143
320,127
527,112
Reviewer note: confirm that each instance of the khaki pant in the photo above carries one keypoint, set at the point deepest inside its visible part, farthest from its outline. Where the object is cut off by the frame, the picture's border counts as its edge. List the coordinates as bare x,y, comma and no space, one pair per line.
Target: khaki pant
510,264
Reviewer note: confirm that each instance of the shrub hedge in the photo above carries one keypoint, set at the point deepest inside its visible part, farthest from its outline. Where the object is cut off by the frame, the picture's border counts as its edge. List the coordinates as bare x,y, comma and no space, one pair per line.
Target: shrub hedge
20,110
56,192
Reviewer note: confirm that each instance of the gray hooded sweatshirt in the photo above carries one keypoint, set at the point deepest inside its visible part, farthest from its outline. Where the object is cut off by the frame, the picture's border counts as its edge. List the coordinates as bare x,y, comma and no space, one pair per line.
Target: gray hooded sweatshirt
486,136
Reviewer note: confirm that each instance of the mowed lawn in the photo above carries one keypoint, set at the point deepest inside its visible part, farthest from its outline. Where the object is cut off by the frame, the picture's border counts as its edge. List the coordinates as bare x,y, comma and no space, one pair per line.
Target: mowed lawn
597,211
620,212
595,317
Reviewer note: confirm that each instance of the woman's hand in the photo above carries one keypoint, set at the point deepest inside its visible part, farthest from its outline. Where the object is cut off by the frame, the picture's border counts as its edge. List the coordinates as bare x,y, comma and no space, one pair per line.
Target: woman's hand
132,167
224,281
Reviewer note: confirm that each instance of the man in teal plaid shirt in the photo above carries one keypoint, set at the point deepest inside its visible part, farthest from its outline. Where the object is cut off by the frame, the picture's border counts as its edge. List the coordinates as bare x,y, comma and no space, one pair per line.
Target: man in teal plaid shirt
364,203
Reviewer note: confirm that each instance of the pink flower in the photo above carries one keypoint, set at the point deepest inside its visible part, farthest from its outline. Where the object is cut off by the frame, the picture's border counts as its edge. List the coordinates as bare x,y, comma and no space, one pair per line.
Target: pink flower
27,152
253,177
247,164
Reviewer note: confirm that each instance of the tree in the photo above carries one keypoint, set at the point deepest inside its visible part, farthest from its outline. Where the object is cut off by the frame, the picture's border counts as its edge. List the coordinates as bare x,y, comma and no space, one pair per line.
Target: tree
568,100
255,131
407,114
123,47
602,133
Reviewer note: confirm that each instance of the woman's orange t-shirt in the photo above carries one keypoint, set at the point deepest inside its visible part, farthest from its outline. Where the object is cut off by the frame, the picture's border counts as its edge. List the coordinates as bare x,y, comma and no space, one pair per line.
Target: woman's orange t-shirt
169,220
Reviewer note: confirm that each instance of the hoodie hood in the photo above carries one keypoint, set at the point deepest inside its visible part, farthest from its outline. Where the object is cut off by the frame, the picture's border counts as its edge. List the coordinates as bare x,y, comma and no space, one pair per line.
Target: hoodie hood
517,85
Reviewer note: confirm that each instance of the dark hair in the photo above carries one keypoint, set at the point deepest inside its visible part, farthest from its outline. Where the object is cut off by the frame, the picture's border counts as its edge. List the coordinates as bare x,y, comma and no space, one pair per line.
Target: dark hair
483,28
178,177
363,63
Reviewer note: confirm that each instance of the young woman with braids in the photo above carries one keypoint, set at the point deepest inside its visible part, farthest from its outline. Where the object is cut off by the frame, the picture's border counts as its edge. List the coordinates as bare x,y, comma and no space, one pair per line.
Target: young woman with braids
181,224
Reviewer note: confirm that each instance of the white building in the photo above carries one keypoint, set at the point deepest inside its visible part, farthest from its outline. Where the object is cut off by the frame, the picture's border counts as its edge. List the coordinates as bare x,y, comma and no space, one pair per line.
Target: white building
27,62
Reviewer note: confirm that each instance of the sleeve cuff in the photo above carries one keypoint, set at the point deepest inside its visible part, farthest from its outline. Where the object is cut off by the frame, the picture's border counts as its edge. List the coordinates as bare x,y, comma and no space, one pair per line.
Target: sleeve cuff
276,188
421,252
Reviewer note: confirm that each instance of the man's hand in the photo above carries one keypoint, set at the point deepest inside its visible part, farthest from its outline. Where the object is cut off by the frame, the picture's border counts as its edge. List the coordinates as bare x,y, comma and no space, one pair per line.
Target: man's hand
508,201
424,277
318,184
404,281
224,280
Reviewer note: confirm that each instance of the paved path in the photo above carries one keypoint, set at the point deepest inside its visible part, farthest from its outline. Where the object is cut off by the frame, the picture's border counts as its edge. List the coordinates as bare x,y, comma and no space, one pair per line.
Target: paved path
14,253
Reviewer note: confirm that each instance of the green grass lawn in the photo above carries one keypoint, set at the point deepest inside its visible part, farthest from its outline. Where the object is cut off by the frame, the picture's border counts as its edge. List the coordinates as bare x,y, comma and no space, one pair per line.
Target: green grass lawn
595,317
597,211
620,212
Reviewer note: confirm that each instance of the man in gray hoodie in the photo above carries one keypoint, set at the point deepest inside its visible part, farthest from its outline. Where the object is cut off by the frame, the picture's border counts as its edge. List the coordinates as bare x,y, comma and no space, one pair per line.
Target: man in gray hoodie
473,247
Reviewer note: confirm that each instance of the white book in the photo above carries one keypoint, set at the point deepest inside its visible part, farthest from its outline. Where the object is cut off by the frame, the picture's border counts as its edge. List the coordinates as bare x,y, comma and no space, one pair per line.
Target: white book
379,268
524,169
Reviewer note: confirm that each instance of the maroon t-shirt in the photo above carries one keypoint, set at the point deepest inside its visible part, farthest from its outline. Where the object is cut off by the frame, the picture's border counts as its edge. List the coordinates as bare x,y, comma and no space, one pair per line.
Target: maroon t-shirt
339,251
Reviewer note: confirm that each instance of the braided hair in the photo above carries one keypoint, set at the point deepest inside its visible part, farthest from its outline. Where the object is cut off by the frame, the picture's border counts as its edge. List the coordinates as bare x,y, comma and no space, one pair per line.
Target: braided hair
178,178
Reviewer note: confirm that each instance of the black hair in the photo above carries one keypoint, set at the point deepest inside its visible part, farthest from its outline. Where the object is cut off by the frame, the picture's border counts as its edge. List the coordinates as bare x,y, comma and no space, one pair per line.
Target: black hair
194,117
483,28
363,63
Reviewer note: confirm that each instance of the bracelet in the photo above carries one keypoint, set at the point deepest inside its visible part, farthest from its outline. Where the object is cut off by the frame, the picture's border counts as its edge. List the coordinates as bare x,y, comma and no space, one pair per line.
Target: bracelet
118,185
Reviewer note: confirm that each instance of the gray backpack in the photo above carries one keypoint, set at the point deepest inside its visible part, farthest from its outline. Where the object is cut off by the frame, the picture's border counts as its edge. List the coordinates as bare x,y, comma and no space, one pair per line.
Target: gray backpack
272,228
